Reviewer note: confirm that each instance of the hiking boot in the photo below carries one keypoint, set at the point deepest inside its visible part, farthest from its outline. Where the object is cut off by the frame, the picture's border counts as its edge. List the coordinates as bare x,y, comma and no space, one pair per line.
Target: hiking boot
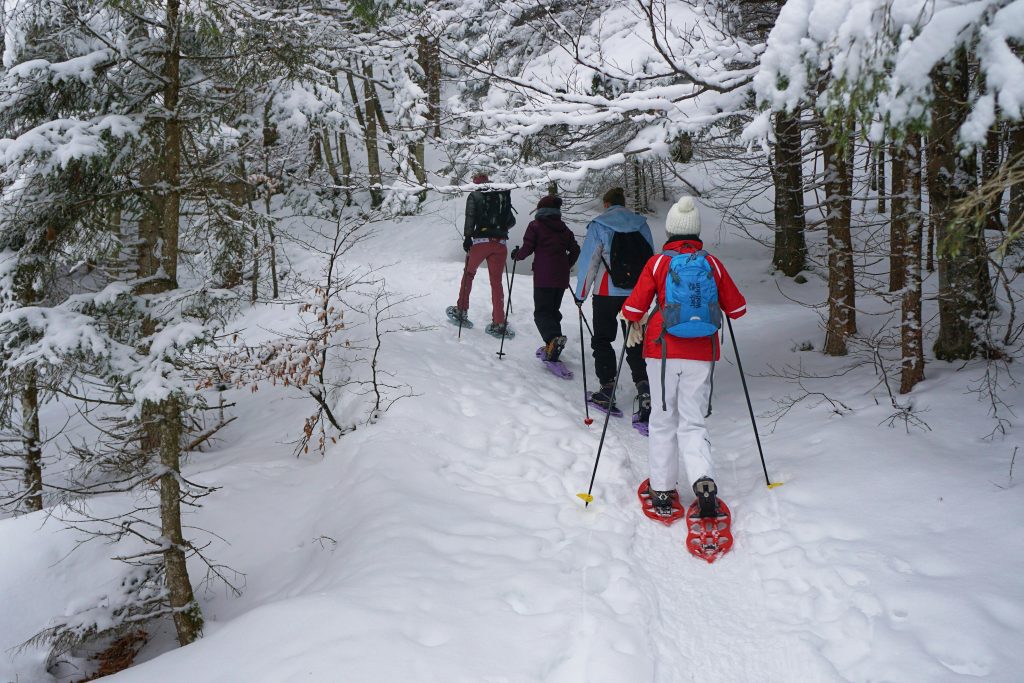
707,496
604,398
661,501
553,349
643,401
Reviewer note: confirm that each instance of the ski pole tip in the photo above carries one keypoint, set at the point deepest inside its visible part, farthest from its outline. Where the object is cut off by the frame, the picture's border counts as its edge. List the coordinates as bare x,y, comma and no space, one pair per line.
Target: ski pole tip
585,497
775,485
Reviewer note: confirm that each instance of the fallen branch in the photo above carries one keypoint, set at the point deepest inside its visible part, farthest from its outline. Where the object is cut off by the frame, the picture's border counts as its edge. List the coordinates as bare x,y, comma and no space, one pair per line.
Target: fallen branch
202,438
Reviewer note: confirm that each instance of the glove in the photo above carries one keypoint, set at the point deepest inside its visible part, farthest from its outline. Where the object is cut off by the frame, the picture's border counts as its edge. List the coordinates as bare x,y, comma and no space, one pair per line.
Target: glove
467,243
635,331
515,253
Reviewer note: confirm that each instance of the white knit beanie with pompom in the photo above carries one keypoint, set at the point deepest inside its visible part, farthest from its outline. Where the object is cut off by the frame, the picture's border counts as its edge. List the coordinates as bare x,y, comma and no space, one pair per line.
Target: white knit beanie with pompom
683,218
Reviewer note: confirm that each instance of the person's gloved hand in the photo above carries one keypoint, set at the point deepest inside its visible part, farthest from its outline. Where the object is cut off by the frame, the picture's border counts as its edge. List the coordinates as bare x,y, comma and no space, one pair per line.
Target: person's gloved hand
515,253
635,331
467,243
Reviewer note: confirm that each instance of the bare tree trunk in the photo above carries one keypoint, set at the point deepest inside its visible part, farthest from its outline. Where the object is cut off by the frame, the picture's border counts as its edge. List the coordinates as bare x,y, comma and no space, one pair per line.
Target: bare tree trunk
372,153
951,177
1015,155
429,59
268,196
434,92
188,619
637,198
162,421
989,168
911,332
880,174
898,230
271,239
346,166
790,253
841,287
32,441
26,386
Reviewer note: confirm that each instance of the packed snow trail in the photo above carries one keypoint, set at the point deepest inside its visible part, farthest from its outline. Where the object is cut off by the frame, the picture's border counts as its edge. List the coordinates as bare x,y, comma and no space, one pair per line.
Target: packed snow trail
445,543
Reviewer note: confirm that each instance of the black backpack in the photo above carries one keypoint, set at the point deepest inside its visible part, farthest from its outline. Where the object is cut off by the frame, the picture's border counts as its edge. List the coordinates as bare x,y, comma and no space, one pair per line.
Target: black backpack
630,253
495,216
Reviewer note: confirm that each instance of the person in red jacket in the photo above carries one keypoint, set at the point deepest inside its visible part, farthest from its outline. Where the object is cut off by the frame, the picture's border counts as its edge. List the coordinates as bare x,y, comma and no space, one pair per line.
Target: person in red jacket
677,427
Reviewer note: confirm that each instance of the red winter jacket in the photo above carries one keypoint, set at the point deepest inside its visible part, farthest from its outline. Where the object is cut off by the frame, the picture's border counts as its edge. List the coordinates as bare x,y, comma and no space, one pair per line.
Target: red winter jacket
652,282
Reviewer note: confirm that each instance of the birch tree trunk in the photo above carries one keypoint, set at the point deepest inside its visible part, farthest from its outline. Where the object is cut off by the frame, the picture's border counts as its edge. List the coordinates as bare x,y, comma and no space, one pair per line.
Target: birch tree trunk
32,442
911,332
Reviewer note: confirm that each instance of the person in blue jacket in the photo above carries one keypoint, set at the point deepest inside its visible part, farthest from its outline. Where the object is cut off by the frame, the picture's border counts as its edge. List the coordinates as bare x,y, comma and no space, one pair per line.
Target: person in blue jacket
594,278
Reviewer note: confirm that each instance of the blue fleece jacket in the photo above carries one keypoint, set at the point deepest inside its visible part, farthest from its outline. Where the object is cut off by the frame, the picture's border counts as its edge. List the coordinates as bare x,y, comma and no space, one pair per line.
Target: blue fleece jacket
597,246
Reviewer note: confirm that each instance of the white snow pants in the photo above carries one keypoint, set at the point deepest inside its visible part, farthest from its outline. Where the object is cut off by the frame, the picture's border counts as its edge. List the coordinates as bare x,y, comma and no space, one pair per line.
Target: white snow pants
679,430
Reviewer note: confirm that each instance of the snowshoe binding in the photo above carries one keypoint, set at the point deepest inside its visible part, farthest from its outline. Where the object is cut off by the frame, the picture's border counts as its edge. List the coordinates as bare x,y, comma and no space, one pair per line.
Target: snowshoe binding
642,414
499,330
661,506
555,367
604,401
709,523
458,317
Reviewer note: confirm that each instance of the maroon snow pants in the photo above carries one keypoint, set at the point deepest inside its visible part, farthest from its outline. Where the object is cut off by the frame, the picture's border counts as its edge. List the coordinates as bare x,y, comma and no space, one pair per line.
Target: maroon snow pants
494,252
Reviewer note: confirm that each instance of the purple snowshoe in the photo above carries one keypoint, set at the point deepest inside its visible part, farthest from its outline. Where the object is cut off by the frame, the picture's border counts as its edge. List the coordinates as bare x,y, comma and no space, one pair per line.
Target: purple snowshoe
555,367
614,412
639,426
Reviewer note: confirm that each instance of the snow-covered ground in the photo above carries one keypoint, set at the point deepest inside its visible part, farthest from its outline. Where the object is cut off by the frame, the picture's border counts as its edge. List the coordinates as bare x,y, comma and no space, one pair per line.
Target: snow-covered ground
446,542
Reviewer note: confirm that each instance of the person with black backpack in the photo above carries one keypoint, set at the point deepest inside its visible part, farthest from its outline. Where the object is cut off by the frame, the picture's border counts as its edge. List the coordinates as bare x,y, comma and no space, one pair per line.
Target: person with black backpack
615,250
692,290
488,219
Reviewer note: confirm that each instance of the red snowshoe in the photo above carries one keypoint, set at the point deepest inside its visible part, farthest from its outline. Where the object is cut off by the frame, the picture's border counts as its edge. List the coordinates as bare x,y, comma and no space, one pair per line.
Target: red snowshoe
645,501
709,537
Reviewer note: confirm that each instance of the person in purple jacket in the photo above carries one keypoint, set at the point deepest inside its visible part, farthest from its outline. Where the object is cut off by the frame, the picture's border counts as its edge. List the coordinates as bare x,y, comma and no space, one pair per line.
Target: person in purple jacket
554,250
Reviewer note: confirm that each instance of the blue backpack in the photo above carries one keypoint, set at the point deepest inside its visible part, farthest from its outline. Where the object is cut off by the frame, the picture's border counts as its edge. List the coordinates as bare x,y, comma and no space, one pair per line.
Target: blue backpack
691,308
691,297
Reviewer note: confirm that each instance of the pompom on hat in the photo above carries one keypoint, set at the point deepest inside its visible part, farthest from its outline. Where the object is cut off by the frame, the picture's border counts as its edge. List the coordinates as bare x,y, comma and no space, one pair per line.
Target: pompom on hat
683,219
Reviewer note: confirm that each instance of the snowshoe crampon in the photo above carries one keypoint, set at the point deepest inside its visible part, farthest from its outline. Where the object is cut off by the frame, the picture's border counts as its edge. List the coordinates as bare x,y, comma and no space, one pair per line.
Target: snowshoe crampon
645,501
709,537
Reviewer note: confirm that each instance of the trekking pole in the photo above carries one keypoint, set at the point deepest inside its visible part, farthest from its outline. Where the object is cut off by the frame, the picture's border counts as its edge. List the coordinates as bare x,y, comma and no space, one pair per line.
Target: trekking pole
750,406
584,318
508,308
509,285
465,267
587,420
587,497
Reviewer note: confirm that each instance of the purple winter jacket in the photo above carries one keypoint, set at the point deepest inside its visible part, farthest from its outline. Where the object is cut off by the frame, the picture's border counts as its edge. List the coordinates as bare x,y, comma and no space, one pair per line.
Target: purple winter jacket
555,251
